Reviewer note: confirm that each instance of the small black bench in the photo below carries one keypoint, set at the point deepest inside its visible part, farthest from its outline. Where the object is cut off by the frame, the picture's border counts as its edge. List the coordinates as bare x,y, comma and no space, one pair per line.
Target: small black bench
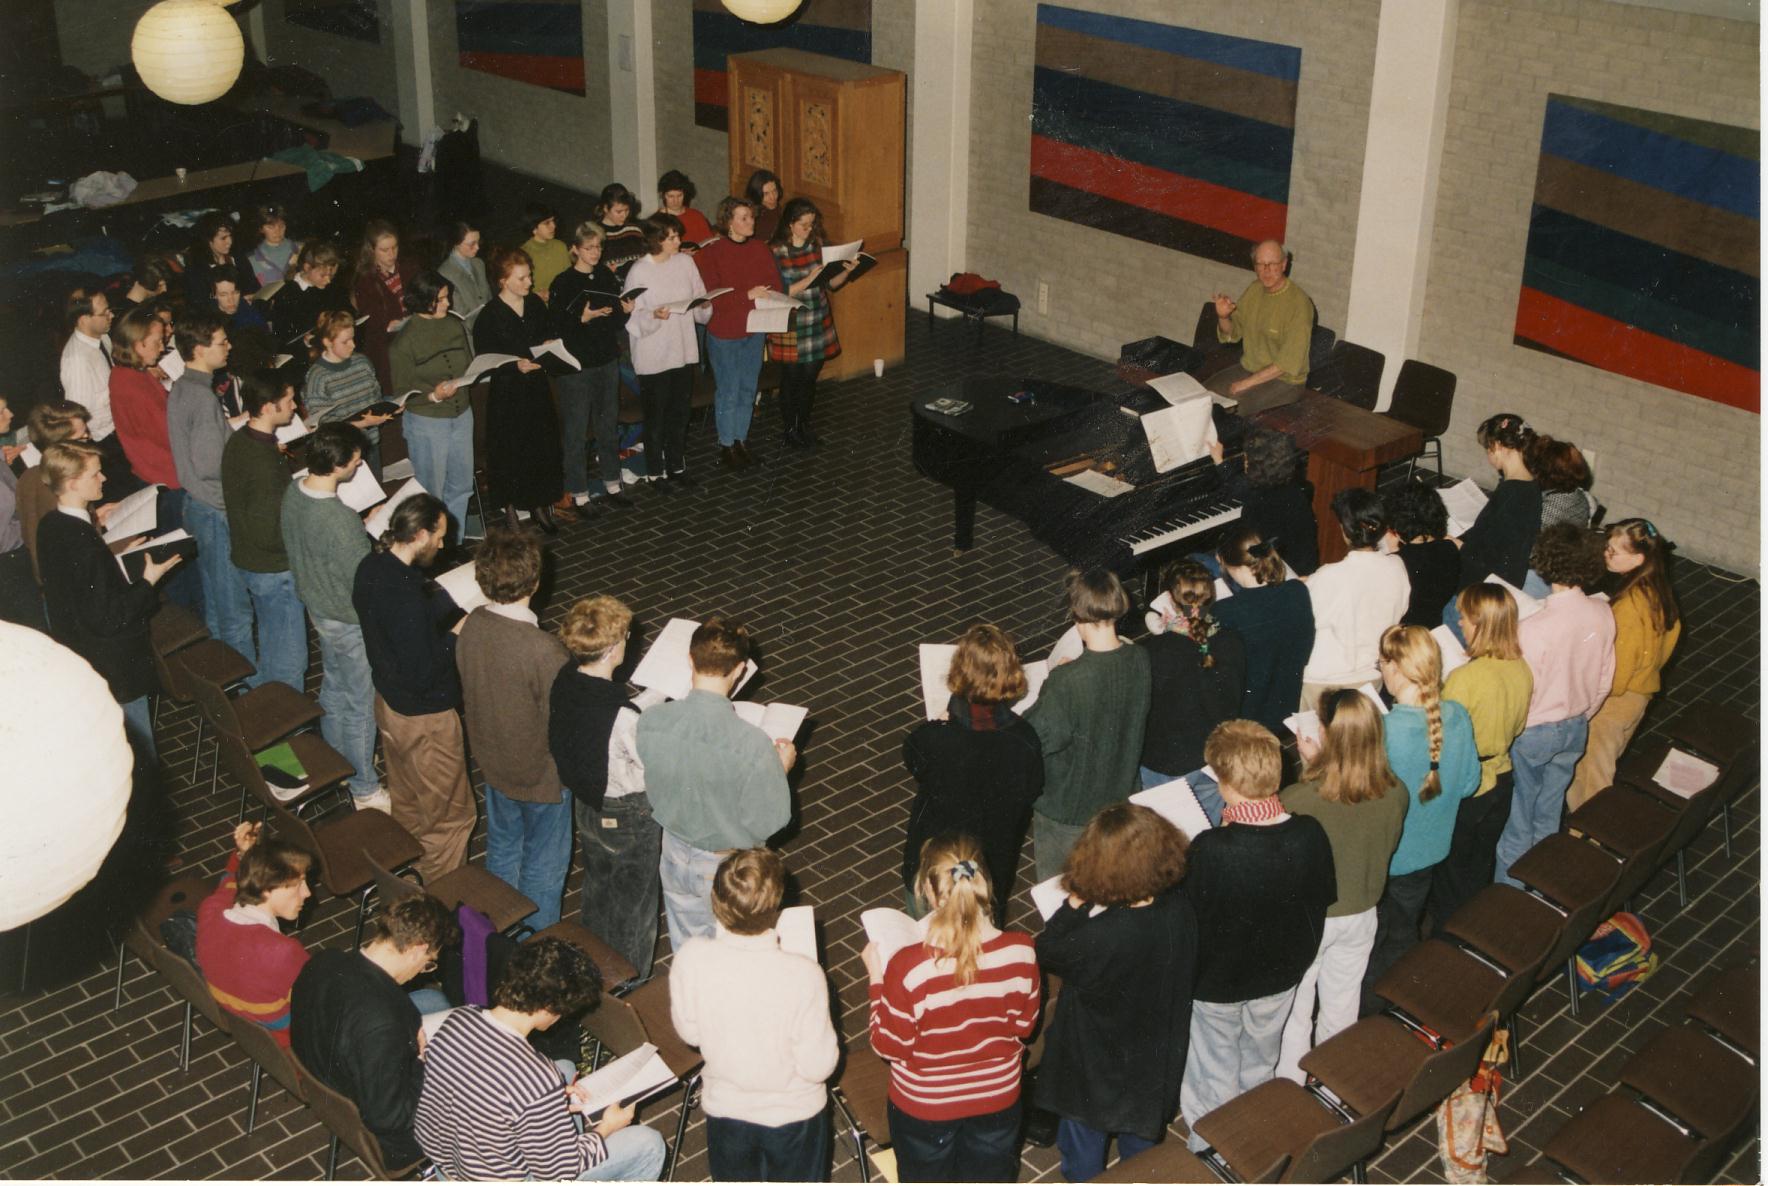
991,302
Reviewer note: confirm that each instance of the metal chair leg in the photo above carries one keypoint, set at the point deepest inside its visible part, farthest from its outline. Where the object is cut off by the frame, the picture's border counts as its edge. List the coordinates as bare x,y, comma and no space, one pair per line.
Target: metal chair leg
854,1135
196,755
117,996
252,1108
1725,822
690,1093
331,1161
184,1045
1681,879
1571,983
362,914
1515,1024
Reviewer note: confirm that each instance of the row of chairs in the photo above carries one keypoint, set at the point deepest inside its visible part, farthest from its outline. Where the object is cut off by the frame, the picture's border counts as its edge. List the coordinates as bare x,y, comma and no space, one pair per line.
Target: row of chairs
1448,994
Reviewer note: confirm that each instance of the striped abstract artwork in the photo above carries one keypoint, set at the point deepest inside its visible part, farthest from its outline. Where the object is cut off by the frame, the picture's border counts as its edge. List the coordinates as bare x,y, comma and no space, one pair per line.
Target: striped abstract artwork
1168,135
838,28
533,41
1643,254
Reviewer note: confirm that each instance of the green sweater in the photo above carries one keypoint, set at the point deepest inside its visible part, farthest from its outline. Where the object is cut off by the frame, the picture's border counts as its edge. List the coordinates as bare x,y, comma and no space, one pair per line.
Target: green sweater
550,258
1275,328
1363,838
1090,717
325,542
253,479
428,351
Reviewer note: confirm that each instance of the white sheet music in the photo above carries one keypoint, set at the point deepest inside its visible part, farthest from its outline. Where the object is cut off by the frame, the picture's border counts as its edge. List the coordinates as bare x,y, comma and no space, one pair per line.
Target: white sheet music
842,252
1463,501
1099,483
135,515
775,320
666,666
797,931
463,586
1176,801
1454,654
378,522
1177,388
1684,774
780,722
1180,434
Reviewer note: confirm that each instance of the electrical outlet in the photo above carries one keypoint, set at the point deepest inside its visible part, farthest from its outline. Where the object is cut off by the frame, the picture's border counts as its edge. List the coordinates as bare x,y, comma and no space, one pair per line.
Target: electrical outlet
1590,459
1043,297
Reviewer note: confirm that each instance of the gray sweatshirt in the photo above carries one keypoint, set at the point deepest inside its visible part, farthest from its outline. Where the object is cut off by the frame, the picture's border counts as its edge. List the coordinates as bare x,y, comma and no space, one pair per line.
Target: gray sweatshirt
199,433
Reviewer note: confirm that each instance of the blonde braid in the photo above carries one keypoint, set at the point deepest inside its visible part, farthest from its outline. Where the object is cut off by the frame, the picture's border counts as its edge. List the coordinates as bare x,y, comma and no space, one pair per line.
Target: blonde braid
1433,713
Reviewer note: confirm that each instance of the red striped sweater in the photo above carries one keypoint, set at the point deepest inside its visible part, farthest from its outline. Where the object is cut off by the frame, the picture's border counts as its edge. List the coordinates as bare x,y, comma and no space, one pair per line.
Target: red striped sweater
249,968
956,1051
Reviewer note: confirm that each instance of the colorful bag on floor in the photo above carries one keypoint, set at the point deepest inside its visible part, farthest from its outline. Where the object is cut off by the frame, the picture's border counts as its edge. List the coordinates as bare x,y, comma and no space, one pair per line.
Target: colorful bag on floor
1467,1122
1616,957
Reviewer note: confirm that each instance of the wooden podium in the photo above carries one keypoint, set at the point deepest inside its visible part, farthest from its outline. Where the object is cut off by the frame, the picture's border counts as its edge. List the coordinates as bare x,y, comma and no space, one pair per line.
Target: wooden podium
833,132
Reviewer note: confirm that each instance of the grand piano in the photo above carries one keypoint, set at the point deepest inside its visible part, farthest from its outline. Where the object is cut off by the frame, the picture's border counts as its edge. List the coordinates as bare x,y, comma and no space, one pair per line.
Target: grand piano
1002,453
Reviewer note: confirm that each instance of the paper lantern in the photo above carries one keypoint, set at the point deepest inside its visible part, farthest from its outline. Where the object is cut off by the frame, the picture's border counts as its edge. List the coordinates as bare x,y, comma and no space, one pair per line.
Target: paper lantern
68,770
188,51
762,12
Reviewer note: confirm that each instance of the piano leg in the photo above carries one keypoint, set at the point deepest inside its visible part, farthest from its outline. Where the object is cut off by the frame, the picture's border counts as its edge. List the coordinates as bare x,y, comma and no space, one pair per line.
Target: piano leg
963,515
1329,477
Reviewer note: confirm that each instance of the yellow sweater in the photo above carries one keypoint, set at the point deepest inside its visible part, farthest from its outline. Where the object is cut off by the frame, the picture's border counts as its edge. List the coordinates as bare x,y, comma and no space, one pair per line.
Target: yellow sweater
1275,328
1641,649
550,258
1495,693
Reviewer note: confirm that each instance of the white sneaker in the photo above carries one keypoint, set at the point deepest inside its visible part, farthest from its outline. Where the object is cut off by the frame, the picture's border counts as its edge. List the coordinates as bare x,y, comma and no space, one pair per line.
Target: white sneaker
380,800
580,500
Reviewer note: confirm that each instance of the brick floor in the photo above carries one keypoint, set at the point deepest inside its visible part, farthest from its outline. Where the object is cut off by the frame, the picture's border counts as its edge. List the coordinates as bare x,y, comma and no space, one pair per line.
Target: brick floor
840,561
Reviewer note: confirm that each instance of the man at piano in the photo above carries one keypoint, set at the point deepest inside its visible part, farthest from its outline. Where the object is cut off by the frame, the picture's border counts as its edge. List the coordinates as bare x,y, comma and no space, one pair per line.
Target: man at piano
1274,322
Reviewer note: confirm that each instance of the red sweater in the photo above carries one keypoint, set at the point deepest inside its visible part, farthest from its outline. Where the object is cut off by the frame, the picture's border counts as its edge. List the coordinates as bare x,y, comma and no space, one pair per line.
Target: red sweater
138,406
956,1051
251,969
740,266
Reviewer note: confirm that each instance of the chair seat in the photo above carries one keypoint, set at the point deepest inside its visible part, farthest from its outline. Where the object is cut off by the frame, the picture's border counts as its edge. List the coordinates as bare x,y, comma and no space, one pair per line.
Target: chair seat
1368,1063
215,661
1696,1080
1616,1140
1506,925
1624,820
614,967
1276,1119
1570,871
650,1001
325,766
865,1085
345,839
1168,1161
184,893
1731,1006
172,628
1714,732
1443,988
485,892
270,712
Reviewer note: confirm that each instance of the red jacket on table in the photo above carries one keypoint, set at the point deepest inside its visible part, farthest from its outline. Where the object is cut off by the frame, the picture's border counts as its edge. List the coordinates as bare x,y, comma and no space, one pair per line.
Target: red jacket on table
138,406
740,266
956,1051
250,968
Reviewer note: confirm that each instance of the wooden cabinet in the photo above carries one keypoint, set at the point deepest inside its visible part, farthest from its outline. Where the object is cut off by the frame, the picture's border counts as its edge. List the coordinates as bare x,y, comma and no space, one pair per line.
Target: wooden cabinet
833,132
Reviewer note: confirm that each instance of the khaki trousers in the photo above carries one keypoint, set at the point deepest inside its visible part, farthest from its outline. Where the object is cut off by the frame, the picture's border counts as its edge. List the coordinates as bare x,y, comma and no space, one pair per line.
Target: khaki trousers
1610,730
427,780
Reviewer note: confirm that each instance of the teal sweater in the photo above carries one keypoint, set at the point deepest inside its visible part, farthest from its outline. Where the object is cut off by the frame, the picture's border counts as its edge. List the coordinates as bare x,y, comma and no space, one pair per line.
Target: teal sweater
325,543
1430,826
1090,717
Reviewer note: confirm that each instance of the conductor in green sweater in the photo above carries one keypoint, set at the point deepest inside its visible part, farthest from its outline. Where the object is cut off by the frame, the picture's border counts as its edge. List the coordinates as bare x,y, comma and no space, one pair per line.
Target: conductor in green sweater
1274,322
1089,715
254,478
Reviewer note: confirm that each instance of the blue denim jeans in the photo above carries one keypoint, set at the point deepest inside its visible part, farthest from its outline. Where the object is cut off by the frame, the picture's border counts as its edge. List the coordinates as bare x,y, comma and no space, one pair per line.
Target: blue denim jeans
528,845
736,366
686,874
346,692
589,403
138,727
282,629
635,1154
740,1151
183,586
974,1149
1542,761
227,607
621,852
442,461
1083,1149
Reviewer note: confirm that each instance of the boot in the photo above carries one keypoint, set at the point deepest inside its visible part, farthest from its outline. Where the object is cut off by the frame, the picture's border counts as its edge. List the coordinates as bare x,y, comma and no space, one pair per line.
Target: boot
543,515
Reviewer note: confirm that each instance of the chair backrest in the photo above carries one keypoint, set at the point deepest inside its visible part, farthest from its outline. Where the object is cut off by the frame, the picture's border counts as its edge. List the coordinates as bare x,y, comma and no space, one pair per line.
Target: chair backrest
1203,337
185,980
651,1002
1351,373
263,1049
1576,932
1730,1004
616,1025
865,1085
388,884
1334,1151
213,702
1424,397
341,1116
242,764
292,828
1319,346
1440,1074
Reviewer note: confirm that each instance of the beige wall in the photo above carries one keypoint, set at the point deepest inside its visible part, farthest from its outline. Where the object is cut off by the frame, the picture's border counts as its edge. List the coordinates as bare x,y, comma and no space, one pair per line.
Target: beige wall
1105,289
1691,465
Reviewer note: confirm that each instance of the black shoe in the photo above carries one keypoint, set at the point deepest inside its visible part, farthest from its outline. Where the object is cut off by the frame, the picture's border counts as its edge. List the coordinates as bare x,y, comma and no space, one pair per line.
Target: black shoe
810,438
669,487
544,517
727,456
617,499
1040,1126
794,438
680,478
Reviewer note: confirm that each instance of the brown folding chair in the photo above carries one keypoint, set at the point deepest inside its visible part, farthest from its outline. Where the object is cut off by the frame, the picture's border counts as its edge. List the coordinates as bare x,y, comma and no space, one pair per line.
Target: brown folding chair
1378,1059
343,846
142,931
327,771
259,718
1281,1118
1697,1082
142,936
343,1120
862,1093
172,628
1579,878
1729,1006
208,659
623,1024
1446,992
266,1055
1171,1161
617,971
468,885
1616,1139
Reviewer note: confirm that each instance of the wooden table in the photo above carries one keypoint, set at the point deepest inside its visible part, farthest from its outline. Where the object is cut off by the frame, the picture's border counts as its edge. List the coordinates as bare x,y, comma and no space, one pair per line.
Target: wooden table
1345,445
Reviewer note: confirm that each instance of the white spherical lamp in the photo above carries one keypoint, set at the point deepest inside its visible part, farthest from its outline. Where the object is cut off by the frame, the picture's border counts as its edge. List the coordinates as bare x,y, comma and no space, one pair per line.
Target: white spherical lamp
188,51
68,772
762,12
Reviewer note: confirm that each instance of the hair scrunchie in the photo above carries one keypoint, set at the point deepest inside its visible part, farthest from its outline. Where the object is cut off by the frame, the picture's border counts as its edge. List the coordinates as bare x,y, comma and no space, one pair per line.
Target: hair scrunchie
964,870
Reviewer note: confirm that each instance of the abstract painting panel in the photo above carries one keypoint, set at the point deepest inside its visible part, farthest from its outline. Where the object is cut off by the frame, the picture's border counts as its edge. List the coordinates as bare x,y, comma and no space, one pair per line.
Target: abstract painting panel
838,28
532,41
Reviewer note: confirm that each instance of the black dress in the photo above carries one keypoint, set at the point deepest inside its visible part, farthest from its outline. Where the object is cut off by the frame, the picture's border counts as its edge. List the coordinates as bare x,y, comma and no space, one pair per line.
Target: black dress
1281,513
1187,699
93,610
1115,1052
524,458
1276,626
977,780
1501,539
1434,568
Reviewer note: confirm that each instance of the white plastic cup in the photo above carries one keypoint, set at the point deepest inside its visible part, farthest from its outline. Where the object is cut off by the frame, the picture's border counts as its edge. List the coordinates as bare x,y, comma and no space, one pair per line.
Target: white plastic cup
181,175
877,368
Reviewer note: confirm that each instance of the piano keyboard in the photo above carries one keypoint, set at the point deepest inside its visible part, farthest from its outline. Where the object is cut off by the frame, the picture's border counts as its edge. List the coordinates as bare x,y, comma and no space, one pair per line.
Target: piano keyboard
1191,522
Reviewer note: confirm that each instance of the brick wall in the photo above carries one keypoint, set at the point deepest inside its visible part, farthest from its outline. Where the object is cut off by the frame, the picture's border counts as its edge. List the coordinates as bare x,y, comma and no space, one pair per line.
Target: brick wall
1689,464
704,154
1106,289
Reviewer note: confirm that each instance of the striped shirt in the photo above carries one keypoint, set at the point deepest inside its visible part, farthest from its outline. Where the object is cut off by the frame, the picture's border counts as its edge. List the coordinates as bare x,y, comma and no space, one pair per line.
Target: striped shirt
493,1107
248,963
339,390
956,1051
